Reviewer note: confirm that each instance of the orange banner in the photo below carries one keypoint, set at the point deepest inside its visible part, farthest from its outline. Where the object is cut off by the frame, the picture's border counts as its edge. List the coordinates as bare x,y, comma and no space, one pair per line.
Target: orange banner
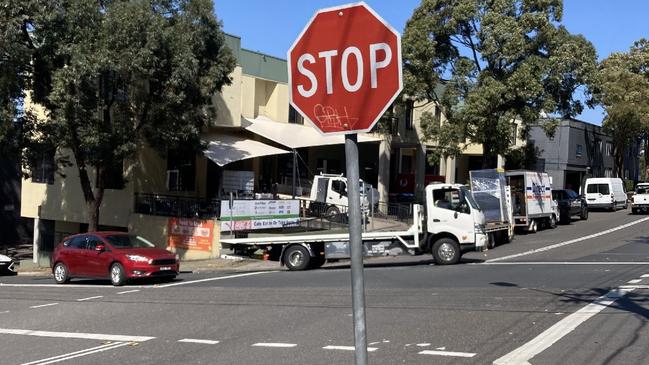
190,234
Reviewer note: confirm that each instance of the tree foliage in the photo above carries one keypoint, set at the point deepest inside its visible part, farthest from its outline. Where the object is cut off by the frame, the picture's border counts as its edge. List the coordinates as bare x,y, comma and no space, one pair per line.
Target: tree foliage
500,60
622,87
113,75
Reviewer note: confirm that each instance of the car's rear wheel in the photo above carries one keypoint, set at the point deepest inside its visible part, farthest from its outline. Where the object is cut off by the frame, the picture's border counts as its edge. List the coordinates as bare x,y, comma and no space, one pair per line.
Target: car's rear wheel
117,274
61,274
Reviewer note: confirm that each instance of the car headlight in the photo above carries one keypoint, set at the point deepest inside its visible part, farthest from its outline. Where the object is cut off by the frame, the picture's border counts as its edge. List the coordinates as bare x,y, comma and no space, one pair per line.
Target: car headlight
138,258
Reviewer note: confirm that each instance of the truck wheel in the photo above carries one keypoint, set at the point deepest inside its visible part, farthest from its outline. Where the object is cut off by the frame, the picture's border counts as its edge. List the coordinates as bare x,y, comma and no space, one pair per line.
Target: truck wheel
553,221
297,258
446,251
332,212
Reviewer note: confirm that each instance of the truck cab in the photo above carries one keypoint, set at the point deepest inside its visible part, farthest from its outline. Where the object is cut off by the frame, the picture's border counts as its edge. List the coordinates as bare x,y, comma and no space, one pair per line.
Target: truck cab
329,194
454,222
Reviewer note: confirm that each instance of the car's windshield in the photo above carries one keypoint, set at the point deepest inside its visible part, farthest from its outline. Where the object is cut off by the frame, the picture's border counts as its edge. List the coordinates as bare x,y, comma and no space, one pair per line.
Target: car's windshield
128,241
598,188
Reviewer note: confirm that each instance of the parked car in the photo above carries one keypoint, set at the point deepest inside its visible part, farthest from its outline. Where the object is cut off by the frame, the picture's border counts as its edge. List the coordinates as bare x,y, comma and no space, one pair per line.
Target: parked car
7,265
605,192
570,204
640,201
117,256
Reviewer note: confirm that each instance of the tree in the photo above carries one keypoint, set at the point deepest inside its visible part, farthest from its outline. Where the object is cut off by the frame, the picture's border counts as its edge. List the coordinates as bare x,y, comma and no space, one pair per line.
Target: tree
499,60
114,75
622,88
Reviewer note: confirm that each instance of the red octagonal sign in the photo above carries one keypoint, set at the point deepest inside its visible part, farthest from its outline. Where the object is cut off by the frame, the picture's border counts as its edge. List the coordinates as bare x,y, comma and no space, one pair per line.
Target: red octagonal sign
344,69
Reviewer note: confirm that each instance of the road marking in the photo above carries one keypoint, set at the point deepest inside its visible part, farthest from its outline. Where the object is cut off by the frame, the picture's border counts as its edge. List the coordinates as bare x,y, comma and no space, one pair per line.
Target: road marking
644,276
43,305
194,340
635,281
66,356
213,279
84,354
584,238
348,348
564,263
540,343
128,292
274,344
89,298
447,353
78,335
4,312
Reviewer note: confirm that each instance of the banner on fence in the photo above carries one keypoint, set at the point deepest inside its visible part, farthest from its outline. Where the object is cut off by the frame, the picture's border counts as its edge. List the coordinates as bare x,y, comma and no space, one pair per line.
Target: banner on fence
190,234
258,214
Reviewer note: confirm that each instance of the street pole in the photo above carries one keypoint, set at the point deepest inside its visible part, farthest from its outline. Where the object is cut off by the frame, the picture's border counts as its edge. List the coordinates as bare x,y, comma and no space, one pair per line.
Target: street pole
294,170
356,248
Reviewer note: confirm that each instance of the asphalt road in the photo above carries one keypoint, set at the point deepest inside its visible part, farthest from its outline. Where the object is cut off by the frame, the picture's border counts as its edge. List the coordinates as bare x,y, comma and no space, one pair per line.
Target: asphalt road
576,294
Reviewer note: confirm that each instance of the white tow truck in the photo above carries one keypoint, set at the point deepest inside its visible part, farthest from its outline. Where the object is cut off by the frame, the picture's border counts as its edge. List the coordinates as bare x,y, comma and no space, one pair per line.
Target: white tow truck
329,195
448,225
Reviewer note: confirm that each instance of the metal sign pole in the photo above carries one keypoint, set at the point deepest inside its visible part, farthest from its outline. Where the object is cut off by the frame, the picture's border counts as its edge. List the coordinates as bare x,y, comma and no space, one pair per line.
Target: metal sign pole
356,248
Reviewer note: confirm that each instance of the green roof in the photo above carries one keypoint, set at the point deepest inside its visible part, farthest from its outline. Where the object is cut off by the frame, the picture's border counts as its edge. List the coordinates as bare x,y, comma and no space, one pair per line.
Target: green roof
256,63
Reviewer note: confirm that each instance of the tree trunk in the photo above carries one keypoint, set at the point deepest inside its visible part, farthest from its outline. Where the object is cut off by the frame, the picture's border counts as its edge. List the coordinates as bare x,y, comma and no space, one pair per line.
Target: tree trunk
489,158
619,162
93,199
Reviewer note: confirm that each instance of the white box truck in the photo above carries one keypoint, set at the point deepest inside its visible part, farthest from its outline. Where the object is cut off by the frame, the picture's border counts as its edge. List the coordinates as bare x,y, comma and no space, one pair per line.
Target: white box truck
448,225
532,204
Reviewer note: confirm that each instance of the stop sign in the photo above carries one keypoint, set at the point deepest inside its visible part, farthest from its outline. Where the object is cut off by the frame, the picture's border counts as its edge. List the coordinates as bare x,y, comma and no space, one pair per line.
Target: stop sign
344,69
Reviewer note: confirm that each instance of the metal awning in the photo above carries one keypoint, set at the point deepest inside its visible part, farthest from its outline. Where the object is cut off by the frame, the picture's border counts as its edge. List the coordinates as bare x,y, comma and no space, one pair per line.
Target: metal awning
226,148
295,135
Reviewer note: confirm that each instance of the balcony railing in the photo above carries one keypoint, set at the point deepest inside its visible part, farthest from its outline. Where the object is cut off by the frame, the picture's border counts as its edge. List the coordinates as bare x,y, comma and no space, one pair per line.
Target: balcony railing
177,206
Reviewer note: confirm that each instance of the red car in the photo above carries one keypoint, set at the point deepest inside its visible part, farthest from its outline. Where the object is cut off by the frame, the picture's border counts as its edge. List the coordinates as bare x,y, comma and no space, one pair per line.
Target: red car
117,256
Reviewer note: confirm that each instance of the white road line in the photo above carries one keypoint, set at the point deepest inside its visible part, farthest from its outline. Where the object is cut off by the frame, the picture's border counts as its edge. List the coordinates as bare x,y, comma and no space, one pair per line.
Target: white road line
195,340
43,305
540,343
348,348
214,279
644,276
4,312
274,344
78,335
634,281
89,298
564,263
70,354
584,238
447,353
128,292
83,354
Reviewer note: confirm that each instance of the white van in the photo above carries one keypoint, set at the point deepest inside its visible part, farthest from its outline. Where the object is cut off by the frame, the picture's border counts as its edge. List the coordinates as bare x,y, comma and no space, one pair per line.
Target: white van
605,192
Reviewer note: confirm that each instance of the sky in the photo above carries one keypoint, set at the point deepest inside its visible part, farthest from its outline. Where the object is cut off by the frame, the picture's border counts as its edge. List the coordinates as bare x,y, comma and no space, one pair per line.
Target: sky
271,26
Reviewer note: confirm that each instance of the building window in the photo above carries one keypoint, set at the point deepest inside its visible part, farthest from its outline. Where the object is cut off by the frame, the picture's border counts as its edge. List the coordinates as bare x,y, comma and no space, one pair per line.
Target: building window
294,117
609,149
43,168
181,170
579,151
409,115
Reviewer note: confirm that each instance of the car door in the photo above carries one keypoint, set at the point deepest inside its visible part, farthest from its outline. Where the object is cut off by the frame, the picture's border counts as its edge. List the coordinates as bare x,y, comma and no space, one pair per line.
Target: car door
74,256
96,261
